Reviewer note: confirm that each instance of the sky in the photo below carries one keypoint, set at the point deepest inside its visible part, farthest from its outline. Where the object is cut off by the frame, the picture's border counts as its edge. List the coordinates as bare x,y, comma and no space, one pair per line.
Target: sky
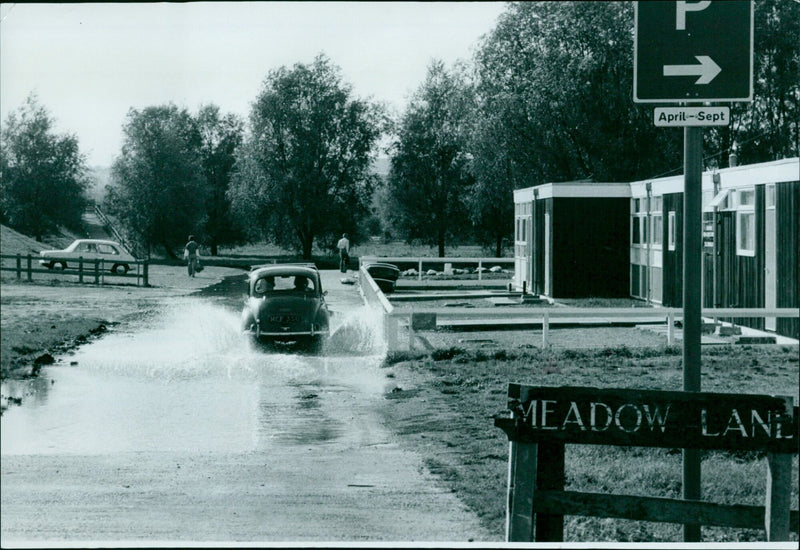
90,63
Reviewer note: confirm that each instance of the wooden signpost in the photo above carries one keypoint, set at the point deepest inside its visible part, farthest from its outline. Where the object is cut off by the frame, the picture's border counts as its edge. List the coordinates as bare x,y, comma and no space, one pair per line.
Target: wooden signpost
544,419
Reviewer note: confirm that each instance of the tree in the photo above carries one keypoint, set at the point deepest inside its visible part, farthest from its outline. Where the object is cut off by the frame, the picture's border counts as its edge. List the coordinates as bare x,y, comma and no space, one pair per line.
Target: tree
303,169
43,176
219,138
767,128
489,199
429,174
559,74
158,190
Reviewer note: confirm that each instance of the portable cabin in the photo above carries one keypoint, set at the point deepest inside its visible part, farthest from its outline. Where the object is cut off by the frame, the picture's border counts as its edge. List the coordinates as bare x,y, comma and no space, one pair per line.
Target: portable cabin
581,239
571,239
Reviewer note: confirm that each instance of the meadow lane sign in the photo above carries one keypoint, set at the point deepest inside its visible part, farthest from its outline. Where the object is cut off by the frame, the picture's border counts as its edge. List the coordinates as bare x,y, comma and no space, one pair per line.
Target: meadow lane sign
693,51
650,418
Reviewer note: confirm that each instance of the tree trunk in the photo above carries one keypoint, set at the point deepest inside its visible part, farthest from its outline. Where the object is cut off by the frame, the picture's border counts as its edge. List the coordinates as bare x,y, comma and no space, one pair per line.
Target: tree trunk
168,250
498,251
308,243
214,250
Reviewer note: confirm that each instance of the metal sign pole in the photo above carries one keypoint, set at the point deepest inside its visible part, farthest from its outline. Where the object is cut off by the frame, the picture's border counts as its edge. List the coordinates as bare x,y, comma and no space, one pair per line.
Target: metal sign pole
692,258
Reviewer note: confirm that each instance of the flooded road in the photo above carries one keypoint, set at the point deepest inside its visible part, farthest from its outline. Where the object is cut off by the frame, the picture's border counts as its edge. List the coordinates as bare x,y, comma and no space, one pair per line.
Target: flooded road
176,430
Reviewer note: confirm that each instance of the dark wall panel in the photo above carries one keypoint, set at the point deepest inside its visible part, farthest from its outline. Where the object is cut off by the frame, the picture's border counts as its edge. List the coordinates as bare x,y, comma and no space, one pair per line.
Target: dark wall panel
740,279
787,229
540,207
590,247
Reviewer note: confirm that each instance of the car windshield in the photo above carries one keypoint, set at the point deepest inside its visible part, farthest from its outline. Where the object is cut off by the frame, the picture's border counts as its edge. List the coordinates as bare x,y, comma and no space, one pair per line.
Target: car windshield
272,284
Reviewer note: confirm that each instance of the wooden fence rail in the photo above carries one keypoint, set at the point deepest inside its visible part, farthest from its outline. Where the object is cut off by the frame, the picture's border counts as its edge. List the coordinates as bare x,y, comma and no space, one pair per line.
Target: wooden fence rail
95,271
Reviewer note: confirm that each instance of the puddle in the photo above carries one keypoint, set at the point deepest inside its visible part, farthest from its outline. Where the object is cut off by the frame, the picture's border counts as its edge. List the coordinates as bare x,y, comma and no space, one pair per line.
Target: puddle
187,380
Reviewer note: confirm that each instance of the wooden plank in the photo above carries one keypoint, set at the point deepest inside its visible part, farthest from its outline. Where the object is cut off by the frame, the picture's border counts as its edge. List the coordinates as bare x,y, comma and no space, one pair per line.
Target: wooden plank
778,500
640,508
522,483
779,495
648,418
550,476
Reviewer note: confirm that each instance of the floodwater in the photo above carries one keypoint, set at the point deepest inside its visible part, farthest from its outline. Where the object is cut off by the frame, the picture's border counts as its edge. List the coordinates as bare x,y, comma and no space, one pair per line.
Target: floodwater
187,380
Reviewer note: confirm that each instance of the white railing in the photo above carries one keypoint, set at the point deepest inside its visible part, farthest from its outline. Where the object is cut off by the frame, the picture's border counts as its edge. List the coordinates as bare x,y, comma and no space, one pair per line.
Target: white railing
404,316
394,317
431,260
374,297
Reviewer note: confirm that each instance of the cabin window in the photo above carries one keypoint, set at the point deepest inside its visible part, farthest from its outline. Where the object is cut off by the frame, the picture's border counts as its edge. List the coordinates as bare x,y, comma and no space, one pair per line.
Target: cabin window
746,233
770,196
655,204
657,229
635,230
671,233
747,197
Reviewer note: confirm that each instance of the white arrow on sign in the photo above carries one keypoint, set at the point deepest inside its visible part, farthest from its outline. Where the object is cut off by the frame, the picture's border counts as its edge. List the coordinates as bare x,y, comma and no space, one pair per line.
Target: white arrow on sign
707,70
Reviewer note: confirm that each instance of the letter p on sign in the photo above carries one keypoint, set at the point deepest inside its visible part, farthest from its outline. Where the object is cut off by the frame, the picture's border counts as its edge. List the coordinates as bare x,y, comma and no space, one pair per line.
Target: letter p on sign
682,7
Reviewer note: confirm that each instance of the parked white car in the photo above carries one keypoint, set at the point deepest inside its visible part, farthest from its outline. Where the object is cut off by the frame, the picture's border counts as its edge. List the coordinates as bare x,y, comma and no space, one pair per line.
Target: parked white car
116,258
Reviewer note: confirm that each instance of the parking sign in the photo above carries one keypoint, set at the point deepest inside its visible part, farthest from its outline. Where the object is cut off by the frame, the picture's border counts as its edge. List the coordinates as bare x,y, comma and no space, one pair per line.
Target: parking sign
698,51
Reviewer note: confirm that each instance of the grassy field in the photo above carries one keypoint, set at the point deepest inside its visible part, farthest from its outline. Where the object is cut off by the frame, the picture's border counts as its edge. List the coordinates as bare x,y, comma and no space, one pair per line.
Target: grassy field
444,401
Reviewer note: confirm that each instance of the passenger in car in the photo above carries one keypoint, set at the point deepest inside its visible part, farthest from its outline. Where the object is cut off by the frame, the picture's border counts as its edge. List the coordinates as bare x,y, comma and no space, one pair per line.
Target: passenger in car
301,283
265,285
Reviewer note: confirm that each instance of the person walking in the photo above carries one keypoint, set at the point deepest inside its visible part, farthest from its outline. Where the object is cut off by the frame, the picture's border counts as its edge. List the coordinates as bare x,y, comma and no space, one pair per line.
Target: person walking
344,253
191,253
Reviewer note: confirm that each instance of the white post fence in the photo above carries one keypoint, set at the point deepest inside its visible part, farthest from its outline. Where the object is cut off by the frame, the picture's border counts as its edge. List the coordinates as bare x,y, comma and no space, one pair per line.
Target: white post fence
397,318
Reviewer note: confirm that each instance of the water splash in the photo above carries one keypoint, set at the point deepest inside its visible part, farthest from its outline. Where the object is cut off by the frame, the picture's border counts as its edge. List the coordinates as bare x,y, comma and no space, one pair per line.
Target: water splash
188,339
358,332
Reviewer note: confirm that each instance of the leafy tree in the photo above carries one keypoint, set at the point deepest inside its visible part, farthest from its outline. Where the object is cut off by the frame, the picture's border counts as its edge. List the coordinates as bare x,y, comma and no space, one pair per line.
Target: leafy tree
429,176
559,74
43,176
303,169
559,77
158,189
489,199
219,137
767,128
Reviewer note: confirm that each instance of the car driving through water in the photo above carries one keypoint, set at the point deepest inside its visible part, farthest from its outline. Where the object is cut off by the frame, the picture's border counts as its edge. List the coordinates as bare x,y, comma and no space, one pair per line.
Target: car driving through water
286,304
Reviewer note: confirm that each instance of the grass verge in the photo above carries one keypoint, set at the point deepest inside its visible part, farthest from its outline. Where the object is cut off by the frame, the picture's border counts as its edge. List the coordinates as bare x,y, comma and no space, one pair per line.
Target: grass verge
444,401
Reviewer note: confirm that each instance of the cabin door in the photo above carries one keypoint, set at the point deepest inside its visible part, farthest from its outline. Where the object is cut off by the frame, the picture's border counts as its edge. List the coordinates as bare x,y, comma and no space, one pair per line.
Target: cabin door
770,261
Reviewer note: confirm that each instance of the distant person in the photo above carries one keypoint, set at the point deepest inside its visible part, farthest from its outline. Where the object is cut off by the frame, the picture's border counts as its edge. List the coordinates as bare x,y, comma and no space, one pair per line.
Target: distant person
191,253
344,253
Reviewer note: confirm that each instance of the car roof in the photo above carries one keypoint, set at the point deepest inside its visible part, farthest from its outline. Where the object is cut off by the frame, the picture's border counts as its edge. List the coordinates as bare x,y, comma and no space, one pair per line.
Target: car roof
97,241
308,270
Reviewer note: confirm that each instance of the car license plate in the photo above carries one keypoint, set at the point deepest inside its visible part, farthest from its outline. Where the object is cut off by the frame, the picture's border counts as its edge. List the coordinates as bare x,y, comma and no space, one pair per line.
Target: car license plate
283,319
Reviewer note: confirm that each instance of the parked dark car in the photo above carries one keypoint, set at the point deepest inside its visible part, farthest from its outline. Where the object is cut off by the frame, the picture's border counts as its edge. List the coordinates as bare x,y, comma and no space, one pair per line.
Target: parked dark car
286,304
385,275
